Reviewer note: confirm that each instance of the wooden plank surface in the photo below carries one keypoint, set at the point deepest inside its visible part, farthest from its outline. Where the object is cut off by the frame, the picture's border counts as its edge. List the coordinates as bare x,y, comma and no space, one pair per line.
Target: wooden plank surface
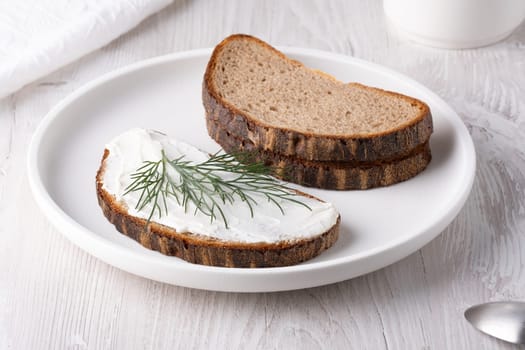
55,296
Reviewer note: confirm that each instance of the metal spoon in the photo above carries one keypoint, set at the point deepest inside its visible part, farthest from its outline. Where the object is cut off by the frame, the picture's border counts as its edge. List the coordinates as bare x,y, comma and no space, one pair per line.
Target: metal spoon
504,320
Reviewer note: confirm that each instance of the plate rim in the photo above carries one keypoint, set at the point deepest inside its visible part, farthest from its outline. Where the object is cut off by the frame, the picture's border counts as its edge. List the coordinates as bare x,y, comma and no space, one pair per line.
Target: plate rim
67,226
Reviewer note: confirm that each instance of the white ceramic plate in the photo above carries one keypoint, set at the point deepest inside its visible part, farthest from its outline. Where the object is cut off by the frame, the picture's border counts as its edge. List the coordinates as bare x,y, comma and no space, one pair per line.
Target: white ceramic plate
379,226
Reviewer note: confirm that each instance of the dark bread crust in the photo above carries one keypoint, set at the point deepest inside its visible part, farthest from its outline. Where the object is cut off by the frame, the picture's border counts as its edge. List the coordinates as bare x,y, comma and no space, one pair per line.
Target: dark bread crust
204,250
329,175
395,143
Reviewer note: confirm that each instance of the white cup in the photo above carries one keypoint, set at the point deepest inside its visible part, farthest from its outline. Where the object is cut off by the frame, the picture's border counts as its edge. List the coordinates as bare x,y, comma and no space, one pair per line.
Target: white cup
455,24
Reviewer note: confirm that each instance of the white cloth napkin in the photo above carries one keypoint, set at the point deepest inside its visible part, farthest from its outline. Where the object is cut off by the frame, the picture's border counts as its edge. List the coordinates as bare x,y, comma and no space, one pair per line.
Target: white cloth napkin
39,36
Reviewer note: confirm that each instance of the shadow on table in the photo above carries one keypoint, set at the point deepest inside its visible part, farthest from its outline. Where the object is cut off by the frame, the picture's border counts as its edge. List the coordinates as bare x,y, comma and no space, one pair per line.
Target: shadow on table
518,35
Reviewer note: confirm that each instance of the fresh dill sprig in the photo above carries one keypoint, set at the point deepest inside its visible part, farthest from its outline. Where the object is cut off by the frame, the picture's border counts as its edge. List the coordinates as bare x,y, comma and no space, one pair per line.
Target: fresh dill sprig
202,185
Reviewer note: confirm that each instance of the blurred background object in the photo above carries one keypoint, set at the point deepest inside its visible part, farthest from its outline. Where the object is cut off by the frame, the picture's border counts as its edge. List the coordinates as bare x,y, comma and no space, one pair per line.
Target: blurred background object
39,36
455,24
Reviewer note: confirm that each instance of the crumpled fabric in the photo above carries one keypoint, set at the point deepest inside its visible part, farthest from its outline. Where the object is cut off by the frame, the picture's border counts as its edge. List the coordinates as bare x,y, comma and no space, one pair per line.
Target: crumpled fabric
40,36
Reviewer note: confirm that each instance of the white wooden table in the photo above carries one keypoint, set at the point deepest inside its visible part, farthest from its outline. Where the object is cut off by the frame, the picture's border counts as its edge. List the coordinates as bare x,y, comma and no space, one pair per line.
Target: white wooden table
55,296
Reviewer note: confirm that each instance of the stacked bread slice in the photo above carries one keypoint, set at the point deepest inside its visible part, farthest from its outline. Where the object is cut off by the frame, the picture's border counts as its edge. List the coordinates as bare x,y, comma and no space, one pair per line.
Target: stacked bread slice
315,130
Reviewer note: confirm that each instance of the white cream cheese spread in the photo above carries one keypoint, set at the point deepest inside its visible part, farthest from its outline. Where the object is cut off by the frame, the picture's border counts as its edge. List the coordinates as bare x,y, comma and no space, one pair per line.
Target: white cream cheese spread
128,151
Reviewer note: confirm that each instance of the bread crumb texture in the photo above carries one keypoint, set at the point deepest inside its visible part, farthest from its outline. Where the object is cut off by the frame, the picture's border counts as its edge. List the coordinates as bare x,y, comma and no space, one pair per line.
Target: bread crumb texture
286,94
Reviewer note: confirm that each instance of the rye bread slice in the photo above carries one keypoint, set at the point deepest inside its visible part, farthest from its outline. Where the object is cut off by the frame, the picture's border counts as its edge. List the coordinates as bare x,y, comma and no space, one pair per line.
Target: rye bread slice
205,250
259,94
329,175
